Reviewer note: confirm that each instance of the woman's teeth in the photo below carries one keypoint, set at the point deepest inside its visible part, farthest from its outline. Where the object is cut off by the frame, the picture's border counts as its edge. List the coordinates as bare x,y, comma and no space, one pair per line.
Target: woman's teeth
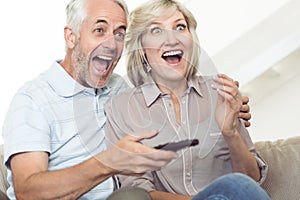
172,53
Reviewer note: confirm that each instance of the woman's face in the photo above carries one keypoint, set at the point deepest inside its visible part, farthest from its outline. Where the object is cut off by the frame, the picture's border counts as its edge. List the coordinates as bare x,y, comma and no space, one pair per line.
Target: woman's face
167,44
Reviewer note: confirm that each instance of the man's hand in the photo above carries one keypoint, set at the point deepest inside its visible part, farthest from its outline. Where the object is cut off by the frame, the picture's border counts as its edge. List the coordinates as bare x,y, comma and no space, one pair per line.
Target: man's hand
245,109
130,157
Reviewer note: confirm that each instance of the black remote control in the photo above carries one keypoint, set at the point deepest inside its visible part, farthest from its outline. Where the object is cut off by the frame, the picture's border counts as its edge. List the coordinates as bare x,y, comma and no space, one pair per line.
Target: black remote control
175,146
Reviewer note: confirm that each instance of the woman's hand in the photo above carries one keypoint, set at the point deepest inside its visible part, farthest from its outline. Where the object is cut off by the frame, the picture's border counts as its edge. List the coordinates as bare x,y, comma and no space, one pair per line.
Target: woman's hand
229,104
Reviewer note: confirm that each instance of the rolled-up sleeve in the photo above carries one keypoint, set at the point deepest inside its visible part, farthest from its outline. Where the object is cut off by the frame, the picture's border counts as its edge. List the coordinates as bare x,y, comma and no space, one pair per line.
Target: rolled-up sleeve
263,167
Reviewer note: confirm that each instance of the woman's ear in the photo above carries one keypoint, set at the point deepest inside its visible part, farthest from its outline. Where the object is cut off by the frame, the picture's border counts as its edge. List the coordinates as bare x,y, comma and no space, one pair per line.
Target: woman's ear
70,37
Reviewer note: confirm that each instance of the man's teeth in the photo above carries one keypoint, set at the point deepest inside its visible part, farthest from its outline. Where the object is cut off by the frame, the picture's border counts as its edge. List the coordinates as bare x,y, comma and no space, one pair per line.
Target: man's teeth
105,61
172,53
105,58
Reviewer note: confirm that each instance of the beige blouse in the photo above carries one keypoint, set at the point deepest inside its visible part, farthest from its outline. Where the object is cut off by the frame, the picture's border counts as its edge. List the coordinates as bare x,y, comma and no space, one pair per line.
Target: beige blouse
147,108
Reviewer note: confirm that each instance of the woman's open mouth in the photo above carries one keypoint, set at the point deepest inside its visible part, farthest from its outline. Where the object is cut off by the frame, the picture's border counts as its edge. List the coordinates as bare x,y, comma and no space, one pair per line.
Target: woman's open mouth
173,57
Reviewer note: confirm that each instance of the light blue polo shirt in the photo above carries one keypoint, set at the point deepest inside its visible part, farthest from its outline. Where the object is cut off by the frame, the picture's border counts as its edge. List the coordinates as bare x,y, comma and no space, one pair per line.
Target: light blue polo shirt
55,114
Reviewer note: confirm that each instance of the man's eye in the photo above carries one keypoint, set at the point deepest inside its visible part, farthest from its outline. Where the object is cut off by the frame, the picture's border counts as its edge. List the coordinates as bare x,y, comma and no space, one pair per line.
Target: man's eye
99,30
120,35
180,27
156,30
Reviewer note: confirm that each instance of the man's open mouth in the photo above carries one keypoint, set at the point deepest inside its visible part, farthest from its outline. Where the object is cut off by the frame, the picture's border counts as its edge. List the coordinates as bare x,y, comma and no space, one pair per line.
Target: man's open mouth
172,57
102,62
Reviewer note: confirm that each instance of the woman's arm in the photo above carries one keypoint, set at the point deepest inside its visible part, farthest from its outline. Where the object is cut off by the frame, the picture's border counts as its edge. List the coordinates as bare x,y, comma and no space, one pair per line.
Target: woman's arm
228,108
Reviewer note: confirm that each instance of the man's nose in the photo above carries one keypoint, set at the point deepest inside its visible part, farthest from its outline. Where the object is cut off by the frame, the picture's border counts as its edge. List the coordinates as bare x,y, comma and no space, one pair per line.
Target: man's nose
109,42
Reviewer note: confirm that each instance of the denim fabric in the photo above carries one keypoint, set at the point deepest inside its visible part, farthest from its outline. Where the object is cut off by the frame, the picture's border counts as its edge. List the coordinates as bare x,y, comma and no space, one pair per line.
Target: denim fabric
233,186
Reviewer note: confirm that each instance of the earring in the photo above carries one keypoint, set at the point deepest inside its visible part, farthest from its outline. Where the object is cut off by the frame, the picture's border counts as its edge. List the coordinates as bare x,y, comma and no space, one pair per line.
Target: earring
148,68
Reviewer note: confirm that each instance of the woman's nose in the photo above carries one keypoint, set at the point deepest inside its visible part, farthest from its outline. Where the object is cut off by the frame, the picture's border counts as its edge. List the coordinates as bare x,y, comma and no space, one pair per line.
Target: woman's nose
171,37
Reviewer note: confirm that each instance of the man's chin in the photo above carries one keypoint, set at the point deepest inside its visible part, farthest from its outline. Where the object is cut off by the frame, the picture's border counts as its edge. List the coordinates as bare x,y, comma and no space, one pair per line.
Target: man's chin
100,82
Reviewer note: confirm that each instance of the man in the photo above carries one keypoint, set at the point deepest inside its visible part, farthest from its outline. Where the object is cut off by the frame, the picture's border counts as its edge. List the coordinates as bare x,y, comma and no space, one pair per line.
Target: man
54,130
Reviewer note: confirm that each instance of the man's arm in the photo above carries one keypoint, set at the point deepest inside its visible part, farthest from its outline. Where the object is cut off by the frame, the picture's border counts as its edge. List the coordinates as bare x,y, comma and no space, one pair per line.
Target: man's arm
32,180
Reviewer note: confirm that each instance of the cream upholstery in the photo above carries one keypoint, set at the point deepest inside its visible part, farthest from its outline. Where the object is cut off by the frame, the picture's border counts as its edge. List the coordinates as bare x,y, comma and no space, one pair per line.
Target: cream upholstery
3,181
282,156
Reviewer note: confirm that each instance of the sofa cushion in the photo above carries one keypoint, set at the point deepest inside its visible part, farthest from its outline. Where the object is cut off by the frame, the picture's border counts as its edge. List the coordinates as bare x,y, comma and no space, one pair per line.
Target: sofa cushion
283,159
3,181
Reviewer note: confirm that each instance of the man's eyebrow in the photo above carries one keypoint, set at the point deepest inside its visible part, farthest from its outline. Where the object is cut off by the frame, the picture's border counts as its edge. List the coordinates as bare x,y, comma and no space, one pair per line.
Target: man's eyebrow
101,21
122,27
105,22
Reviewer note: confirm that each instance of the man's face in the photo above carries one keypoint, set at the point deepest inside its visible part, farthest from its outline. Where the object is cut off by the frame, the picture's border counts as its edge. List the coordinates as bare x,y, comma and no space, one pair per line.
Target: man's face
100,44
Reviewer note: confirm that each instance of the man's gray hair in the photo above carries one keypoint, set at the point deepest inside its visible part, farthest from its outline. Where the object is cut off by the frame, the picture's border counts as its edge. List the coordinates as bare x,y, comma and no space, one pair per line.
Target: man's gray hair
76,13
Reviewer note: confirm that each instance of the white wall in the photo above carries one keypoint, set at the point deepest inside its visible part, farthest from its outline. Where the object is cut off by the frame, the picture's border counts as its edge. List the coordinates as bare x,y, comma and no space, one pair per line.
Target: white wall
31,37
276,115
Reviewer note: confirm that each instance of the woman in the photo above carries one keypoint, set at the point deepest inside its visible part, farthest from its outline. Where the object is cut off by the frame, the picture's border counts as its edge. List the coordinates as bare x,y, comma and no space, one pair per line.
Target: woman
170,96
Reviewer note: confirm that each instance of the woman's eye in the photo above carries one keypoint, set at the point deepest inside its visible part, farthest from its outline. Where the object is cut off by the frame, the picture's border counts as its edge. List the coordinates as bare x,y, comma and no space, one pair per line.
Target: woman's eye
180,27
156,30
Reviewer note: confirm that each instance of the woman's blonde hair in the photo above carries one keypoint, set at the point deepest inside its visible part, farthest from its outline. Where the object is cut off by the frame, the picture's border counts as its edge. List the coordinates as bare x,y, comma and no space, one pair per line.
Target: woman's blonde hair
139,20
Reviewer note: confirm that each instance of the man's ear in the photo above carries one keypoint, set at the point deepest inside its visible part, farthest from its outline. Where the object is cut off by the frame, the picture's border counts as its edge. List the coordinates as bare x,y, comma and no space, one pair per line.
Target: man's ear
70,37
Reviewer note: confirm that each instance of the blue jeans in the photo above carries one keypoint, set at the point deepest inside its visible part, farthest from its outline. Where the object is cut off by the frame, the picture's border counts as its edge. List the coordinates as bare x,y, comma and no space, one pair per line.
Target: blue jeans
233,186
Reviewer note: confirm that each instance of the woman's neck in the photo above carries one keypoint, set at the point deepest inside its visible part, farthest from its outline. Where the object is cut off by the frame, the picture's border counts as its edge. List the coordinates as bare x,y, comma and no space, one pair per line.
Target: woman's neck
175,91
174,88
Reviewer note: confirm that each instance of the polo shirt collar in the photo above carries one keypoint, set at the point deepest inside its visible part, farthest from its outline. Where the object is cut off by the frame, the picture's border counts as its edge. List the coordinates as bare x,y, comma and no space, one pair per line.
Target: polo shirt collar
62,83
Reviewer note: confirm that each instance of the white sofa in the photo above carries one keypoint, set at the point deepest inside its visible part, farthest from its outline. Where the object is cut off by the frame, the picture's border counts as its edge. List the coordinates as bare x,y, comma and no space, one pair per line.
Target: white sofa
282,156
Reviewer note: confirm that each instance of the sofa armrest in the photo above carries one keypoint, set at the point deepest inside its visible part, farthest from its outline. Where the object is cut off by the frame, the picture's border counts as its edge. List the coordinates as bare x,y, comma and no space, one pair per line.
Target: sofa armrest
283,159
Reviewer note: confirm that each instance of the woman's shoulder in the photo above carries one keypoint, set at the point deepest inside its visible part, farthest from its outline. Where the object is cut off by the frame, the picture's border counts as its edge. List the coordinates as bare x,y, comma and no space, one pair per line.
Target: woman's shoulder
121,99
